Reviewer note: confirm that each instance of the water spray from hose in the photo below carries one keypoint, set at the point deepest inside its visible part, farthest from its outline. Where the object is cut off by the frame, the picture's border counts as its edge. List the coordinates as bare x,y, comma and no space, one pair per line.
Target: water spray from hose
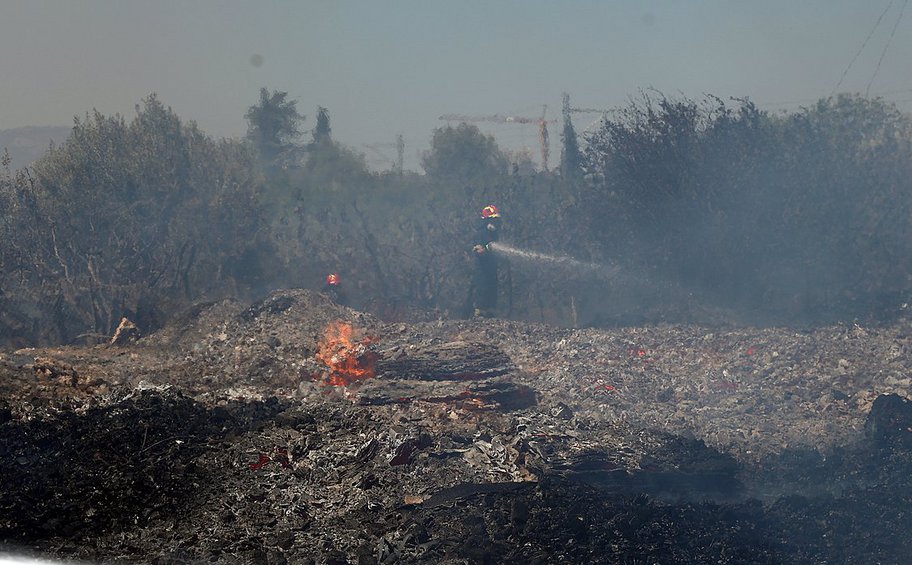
613,273
621,279
618,280
559,261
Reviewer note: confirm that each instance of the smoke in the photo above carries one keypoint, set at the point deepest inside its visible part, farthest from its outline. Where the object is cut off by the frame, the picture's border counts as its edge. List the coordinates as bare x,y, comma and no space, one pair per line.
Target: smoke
608,294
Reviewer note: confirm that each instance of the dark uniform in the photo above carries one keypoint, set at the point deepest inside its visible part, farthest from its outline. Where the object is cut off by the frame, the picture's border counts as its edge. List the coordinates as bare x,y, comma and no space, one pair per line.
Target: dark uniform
484,282
333,289
335,294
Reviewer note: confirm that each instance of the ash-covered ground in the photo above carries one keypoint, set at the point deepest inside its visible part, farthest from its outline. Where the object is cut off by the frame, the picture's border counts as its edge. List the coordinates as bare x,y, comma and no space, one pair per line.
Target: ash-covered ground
239,433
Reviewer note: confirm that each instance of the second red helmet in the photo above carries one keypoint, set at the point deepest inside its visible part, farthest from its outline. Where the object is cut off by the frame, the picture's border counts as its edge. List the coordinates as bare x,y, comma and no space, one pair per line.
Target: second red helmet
490,211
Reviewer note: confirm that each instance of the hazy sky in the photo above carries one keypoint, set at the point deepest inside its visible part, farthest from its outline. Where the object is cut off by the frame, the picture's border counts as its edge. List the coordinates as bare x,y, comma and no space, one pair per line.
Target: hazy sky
388,67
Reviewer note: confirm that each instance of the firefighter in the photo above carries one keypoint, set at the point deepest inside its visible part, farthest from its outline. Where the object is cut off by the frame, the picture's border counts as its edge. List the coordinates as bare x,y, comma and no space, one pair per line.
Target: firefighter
484,284
333,289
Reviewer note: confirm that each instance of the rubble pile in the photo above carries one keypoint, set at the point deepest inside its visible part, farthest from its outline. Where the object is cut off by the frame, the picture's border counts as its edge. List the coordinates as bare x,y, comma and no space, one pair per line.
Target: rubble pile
228,436
748,391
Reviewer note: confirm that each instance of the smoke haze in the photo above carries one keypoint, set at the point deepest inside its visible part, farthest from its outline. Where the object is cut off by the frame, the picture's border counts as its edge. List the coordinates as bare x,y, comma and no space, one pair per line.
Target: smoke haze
389,68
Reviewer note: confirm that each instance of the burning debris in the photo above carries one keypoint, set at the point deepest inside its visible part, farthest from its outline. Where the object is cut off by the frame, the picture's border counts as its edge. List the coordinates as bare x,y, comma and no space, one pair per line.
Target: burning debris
349,357
462,374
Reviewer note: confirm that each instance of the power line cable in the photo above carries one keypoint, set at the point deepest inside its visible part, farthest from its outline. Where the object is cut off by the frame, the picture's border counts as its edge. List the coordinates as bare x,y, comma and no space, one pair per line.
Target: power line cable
887,46
860,49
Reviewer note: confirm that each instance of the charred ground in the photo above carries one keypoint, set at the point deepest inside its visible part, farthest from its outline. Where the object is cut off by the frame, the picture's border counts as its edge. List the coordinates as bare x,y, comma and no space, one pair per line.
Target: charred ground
217,438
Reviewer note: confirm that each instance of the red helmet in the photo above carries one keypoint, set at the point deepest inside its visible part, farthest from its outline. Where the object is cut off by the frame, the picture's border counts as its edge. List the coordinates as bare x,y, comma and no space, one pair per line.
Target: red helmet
490,211
333,279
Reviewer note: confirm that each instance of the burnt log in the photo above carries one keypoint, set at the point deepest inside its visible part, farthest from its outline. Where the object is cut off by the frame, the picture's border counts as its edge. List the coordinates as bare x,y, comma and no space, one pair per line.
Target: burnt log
453,361
503,396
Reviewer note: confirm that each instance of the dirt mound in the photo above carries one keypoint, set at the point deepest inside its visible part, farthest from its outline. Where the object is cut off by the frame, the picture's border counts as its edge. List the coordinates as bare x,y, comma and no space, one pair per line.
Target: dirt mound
297,315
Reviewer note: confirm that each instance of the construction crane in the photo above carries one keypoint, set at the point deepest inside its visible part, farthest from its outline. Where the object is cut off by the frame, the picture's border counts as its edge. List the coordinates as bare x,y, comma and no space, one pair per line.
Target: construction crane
502,119
571,110
567,110
399,144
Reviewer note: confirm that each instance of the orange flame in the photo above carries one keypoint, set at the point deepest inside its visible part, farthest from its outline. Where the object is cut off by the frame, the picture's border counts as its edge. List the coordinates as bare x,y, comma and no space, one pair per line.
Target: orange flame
347,358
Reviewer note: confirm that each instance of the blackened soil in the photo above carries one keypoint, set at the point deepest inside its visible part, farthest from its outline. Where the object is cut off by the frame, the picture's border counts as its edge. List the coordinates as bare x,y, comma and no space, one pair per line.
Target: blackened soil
77,475
211,443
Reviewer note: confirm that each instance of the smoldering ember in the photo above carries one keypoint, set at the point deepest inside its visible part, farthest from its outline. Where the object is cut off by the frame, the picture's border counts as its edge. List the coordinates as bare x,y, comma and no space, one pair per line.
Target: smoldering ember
297,430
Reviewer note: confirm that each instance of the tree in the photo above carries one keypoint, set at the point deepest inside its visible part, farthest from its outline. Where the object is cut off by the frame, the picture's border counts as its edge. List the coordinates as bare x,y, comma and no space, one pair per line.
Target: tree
274,124
322,131
802,217
571,159
125,219
463,154
331,164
